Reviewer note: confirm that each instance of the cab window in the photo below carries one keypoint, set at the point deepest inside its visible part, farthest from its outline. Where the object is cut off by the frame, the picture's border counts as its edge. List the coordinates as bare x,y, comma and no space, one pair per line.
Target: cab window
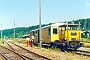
49,32
54,30
33,33
36,33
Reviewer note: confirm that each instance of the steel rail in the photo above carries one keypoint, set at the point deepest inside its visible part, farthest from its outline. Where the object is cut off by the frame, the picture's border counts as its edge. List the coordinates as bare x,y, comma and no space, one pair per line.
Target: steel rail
4,56
17,52
80,52
31,51
13,52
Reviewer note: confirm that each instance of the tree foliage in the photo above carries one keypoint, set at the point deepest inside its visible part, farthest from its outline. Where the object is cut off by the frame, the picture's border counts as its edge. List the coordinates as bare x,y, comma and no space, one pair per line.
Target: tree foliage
20,31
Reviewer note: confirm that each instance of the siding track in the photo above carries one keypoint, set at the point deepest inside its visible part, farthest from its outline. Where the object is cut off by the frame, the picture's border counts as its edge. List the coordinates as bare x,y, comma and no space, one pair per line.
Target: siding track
10,54
28,55
80,52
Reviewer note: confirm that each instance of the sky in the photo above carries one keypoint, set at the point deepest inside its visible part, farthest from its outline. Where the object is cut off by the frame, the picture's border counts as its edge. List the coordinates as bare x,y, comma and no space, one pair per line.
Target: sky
25,13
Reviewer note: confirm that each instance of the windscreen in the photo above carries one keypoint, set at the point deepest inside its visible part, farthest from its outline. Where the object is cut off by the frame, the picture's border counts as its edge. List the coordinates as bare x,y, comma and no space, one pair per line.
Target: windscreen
70,27
73,27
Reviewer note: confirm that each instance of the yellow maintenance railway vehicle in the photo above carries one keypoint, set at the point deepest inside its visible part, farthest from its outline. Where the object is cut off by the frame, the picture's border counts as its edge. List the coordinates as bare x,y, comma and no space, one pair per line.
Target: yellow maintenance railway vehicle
63,35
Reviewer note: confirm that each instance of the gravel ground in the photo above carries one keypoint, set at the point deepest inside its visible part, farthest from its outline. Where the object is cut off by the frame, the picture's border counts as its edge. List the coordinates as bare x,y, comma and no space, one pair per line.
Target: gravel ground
55,54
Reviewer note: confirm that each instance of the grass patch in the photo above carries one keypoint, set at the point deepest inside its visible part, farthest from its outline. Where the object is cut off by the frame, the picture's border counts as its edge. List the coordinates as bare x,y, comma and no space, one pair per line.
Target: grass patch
69,59
1,41
42,49
86,42
22,40
54,49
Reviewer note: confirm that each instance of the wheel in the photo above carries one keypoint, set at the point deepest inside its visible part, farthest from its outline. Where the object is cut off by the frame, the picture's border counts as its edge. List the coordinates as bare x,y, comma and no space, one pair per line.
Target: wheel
75,48
62,50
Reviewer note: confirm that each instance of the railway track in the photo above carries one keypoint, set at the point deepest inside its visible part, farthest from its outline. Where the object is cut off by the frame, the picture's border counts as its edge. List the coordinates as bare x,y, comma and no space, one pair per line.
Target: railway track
86,46
80,52
25,57
8,54
85,53
3,57
28,55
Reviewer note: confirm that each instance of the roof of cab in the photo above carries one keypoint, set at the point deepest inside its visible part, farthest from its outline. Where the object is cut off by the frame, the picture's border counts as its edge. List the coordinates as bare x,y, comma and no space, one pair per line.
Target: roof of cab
55,24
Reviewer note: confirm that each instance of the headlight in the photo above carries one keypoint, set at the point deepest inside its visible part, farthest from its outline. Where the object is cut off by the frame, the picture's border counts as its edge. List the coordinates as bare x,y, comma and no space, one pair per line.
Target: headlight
64,39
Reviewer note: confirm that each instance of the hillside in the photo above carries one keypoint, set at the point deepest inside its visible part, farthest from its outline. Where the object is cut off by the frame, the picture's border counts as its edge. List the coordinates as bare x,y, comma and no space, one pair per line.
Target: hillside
20,31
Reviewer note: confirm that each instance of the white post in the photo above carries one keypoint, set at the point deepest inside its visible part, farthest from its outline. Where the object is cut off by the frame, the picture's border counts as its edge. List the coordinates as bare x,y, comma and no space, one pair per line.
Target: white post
14,30
79,25
1,31
40,23
67,25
